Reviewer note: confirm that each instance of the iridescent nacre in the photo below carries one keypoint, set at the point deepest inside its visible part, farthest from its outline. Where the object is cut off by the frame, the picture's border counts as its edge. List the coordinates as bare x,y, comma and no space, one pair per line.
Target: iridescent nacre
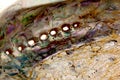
26,38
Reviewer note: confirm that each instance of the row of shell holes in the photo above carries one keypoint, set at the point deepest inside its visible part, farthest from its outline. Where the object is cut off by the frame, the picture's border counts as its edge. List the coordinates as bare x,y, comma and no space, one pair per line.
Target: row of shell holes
43,37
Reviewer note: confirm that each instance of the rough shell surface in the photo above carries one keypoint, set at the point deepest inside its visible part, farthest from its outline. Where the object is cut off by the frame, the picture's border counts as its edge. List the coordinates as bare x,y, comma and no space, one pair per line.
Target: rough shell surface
86,44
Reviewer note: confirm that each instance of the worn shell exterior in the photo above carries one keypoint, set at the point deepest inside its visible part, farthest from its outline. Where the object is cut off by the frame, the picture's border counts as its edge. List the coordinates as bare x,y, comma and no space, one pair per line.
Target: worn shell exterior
32,35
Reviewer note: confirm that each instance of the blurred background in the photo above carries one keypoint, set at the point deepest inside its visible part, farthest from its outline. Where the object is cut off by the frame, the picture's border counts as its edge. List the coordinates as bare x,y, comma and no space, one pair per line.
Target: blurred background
4,4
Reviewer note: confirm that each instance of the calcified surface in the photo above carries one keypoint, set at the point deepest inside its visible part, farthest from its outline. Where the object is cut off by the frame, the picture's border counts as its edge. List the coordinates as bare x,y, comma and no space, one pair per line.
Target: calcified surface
70,40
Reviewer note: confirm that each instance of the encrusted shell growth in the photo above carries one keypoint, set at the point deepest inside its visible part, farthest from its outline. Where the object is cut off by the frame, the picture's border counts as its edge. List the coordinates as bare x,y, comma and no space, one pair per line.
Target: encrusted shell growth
32,35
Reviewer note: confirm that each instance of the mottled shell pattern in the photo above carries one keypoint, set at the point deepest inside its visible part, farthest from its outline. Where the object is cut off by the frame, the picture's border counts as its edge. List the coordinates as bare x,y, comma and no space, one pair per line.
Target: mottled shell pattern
33,34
